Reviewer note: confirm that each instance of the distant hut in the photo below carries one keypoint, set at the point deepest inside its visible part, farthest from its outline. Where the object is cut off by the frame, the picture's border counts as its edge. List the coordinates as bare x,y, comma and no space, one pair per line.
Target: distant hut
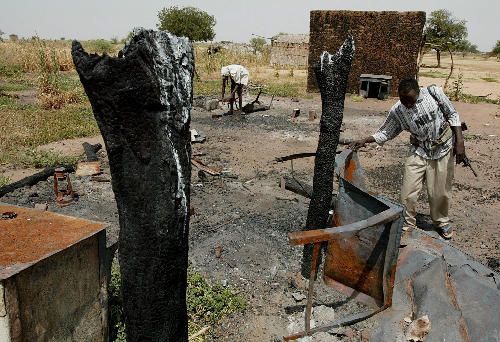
290,50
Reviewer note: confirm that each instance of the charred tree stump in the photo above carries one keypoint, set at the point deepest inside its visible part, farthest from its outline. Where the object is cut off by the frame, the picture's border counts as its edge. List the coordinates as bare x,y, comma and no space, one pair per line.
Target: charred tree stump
91,151
142,102
331,74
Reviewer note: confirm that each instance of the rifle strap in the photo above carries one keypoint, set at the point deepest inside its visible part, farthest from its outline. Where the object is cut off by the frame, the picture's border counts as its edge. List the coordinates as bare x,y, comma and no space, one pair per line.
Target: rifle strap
439,103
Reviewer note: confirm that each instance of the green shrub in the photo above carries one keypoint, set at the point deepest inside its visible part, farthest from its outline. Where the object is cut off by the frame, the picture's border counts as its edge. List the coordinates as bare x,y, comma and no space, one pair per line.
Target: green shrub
4,180
207,303
99,46
40,159
10,70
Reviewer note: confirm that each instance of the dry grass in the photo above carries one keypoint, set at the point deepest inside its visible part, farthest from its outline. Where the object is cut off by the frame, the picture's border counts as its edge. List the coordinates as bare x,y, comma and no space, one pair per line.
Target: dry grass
63,110
25,127
23,54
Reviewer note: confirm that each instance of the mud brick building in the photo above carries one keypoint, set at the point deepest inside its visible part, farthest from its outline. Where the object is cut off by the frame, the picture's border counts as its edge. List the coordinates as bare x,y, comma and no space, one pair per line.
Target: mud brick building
290,50
387,43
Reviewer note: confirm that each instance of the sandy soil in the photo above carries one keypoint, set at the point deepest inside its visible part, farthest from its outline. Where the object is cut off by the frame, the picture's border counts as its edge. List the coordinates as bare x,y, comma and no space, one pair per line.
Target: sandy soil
474,69
248,216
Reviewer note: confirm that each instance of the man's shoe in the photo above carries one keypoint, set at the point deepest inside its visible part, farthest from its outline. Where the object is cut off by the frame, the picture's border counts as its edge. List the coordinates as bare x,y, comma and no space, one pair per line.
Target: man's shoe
445,231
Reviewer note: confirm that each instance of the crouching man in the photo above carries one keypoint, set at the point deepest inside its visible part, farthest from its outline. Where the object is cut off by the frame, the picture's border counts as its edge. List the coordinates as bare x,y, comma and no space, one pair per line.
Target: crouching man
238,76
436,135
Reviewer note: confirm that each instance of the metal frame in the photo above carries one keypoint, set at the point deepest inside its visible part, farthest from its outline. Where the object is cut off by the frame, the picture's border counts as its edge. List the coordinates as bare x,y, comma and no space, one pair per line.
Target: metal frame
362,248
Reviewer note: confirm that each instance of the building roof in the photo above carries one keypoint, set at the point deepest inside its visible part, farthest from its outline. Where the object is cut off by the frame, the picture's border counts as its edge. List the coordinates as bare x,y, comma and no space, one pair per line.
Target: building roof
383,77
291,38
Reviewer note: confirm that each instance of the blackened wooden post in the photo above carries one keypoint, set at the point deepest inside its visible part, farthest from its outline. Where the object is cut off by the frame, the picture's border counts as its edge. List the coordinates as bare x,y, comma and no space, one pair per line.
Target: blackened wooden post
142,102
331,74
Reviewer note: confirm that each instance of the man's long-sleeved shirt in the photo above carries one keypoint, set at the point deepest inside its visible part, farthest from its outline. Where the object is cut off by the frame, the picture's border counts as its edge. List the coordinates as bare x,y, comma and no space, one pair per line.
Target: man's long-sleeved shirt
424,121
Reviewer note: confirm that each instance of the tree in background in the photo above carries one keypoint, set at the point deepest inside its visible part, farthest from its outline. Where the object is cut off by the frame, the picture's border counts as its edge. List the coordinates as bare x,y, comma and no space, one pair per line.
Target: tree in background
190,22
465,47
1,34
496,49
444,32
257,44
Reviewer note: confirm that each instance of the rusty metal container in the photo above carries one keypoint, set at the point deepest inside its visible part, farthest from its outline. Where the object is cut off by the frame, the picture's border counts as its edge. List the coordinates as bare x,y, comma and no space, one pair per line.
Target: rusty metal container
52,277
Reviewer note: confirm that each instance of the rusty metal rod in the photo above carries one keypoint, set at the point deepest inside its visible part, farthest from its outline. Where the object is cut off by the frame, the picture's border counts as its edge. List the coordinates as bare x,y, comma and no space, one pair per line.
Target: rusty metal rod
312,278
352,319
320,235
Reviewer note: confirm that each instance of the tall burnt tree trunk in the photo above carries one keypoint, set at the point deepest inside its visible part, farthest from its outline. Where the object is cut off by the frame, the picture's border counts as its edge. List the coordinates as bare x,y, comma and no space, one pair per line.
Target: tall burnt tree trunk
331,73
142,101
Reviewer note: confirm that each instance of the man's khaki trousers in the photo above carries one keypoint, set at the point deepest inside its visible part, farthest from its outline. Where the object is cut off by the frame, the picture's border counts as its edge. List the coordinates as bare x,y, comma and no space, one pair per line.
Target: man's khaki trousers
438,175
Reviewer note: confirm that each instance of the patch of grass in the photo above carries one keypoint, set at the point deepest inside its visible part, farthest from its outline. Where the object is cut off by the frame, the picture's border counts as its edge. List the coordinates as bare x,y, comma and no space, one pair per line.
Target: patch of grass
40,159
283,89
26,126
10,70
4,180
356,98
207,304
471,136
468,98
489,79
15,85
208,87
433,74
100,46
117,320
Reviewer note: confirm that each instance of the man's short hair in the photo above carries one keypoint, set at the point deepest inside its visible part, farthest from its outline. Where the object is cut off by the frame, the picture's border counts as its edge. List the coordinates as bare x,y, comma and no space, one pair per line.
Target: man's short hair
407,85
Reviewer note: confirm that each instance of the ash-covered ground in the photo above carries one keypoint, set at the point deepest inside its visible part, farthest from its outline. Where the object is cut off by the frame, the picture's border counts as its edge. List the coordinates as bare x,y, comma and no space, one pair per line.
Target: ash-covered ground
247,216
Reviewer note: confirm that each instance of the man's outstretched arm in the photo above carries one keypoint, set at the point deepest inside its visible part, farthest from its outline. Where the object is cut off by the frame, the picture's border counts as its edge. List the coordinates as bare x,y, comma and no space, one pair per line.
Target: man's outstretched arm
389,130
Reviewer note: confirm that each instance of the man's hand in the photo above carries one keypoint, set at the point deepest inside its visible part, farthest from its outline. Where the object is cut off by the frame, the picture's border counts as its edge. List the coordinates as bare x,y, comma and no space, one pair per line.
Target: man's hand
459,147
459,151
357,144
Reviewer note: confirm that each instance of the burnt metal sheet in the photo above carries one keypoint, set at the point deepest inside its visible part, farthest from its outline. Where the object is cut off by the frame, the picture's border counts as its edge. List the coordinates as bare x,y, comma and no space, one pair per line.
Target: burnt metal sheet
34,235
347,166
361,255
362,264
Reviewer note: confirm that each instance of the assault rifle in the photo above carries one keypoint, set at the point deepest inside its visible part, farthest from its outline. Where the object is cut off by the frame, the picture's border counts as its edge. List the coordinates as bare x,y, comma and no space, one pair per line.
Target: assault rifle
465,161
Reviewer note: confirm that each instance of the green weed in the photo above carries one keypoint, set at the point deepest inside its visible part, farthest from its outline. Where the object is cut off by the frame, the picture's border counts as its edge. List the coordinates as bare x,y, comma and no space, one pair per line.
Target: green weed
15,85
40,159
432,74
489,79
207,303
4,180
356,98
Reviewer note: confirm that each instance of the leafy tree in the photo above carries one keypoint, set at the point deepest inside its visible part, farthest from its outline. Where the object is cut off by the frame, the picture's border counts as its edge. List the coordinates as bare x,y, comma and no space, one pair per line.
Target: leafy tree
496,49
189,22
257,44
466,46
1,34
444,32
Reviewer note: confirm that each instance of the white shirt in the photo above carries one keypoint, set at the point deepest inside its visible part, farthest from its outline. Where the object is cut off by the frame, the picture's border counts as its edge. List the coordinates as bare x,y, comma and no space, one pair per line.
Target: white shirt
238,73
425,121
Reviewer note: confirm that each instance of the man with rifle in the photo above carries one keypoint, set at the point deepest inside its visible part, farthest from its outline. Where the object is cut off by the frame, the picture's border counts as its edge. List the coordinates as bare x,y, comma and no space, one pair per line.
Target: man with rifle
436,135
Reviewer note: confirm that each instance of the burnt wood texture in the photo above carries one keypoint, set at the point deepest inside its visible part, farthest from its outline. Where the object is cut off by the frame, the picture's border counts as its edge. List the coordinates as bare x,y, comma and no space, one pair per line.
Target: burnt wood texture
142,102
331,74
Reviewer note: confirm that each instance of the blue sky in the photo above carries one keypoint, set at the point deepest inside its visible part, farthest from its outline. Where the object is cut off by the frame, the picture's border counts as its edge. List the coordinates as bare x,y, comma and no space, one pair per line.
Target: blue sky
236,20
